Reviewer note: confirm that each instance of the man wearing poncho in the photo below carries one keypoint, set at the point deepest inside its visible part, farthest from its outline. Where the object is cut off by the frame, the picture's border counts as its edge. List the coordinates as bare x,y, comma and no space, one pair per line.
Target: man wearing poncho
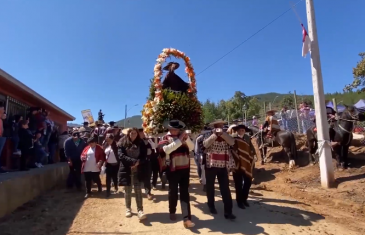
219,161
175,147
243,153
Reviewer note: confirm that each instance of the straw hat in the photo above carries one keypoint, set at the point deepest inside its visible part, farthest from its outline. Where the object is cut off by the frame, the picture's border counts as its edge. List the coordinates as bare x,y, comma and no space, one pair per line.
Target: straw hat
273,111
218,121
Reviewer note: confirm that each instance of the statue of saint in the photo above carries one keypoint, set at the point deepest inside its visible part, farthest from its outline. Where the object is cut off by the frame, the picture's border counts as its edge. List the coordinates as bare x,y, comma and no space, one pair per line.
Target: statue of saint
172,81
101,116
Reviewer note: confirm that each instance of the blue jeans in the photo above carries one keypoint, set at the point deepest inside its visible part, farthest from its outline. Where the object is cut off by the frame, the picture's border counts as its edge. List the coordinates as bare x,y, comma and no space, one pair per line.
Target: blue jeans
15,140
2,144
285,124
52,150
40,155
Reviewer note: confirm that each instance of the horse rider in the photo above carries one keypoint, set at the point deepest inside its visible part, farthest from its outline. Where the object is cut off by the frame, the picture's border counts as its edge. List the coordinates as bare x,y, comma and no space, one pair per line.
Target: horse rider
332,119
270,127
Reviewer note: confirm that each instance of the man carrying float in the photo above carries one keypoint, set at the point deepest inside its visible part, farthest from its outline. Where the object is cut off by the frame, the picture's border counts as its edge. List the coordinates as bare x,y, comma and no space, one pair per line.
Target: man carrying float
173,107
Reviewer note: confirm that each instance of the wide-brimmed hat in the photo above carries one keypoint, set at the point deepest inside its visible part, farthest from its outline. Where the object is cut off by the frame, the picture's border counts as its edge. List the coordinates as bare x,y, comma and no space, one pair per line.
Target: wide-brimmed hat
241,126
111,123
167,67
271,111
85,123
231,127
218,121
174,124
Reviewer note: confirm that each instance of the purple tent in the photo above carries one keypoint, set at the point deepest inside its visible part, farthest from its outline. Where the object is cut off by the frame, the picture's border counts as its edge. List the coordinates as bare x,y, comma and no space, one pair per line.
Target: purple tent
340,108
360,104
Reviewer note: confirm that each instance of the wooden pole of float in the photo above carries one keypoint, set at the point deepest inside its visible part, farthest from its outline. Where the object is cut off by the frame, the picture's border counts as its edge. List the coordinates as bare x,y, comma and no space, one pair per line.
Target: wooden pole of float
324,148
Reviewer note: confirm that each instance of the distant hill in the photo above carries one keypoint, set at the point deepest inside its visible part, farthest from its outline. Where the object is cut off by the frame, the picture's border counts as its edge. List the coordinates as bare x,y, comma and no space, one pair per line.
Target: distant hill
134,121
269,97
73,125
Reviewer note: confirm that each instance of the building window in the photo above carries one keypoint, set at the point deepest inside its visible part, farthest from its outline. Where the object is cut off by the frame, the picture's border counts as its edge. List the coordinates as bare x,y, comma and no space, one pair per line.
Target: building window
16,108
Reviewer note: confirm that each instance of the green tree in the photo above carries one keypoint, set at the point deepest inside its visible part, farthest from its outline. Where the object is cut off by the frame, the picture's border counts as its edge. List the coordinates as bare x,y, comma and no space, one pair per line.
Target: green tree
287,101
359,76
308,101
209,111
254,107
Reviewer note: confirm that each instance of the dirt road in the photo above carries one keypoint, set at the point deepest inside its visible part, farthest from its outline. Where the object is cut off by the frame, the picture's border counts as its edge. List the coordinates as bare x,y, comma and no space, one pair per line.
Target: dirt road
61,212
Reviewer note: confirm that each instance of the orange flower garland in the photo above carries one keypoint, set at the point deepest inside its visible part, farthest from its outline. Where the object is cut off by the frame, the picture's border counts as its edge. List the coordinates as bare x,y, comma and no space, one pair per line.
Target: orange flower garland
151,106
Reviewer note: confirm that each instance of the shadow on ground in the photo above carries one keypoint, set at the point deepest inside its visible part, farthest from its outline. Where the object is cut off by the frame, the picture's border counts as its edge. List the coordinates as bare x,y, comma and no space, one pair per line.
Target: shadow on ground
248,221
51,213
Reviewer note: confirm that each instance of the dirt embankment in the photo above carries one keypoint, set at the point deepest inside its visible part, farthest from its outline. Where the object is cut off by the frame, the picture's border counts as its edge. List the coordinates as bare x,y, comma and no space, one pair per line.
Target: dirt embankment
345,200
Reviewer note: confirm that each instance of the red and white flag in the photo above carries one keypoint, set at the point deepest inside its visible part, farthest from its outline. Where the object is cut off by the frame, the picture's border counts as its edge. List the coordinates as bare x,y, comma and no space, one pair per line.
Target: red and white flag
306,42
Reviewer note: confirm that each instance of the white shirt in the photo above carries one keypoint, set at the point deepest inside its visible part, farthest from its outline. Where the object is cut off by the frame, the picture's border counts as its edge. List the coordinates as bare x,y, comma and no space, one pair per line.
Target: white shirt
110,156
91,164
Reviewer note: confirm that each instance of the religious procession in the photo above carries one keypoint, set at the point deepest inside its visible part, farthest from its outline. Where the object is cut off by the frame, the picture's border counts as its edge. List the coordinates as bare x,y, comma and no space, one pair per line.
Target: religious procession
173,132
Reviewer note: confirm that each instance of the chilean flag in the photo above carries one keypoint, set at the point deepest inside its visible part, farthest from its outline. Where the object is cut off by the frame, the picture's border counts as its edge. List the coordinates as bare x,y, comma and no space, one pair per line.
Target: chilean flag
306,42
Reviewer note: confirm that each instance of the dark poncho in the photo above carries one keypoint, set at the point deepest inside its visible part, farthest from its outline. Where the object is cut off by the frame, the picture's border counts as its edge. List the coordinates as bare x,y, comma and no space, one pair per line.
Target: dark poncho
174,83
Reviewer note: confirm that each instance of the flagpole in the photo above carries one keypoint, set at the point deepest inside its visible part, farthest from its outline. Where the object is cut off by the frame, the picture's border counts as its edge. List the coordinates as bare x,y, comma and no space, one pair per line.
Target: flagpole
324,148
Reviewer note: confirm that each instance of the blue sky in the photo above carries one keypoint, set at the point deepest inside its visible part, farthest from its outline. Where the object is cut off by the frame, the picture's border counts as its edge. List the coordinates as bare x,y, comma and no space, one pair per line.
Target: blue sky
92,54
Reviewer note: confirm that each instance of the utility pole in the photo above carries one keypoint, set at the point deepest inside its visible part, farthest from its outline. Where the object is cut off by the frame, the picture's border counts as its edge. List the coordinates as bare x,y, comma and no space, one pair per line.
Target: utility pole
125,115
264,110
324,148
296,110
270,106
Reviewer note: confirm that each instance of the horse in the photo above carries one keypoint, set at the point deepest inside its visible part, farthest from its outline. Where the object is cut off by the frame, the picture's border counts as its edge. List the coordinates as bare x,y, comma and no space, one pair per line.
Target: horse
285,139
340,136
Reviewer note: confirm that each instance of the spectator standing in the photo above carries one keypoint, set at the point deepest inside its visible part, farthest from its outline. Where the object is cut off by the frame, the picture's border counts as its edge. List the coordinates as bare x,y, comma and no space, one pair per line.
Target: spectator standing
74,146
15,133
52,145
2,138
26,144
284,118
61,142
132,153
40,153
92,158
254,121
111,163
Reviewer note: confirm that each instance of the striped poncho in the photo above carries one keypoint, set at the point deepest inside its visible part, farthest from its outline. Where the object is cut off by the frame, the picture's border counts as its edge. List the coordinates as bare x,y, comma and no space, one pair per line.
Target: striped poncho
243,153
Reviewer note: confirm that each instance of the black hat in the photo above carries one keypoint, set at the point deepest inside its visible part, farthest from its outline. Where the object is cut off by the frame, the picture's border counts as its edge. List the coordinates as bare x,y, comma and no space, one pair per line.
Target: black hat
167,67
140,129
85,123
111,122
175,124
241,126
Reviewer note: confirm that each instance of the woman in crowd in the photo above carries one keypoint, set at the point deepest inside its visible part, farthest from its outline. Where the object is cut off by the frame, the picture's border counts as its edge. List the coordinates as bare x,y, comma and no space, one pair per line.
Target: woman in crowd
132,153
111,163
92,158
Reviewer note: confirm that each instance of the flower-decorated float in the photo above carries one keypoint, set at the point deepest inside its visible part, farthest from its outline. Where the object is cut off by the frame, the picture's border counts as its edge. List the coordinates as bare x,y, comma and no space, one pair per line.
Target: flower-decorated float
173,98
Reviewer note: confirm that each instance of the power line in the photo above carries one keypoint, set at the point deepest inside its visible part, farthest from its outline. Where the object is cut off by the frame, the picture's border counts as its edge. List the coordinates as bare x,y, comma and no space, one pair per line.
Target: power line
252,35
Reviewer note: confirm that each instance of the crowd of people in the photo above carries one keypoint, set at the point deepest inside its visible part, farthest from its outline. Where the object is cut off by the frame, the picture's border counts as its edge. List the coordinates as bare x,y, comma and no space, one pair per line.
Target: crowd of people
132,160
34,138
